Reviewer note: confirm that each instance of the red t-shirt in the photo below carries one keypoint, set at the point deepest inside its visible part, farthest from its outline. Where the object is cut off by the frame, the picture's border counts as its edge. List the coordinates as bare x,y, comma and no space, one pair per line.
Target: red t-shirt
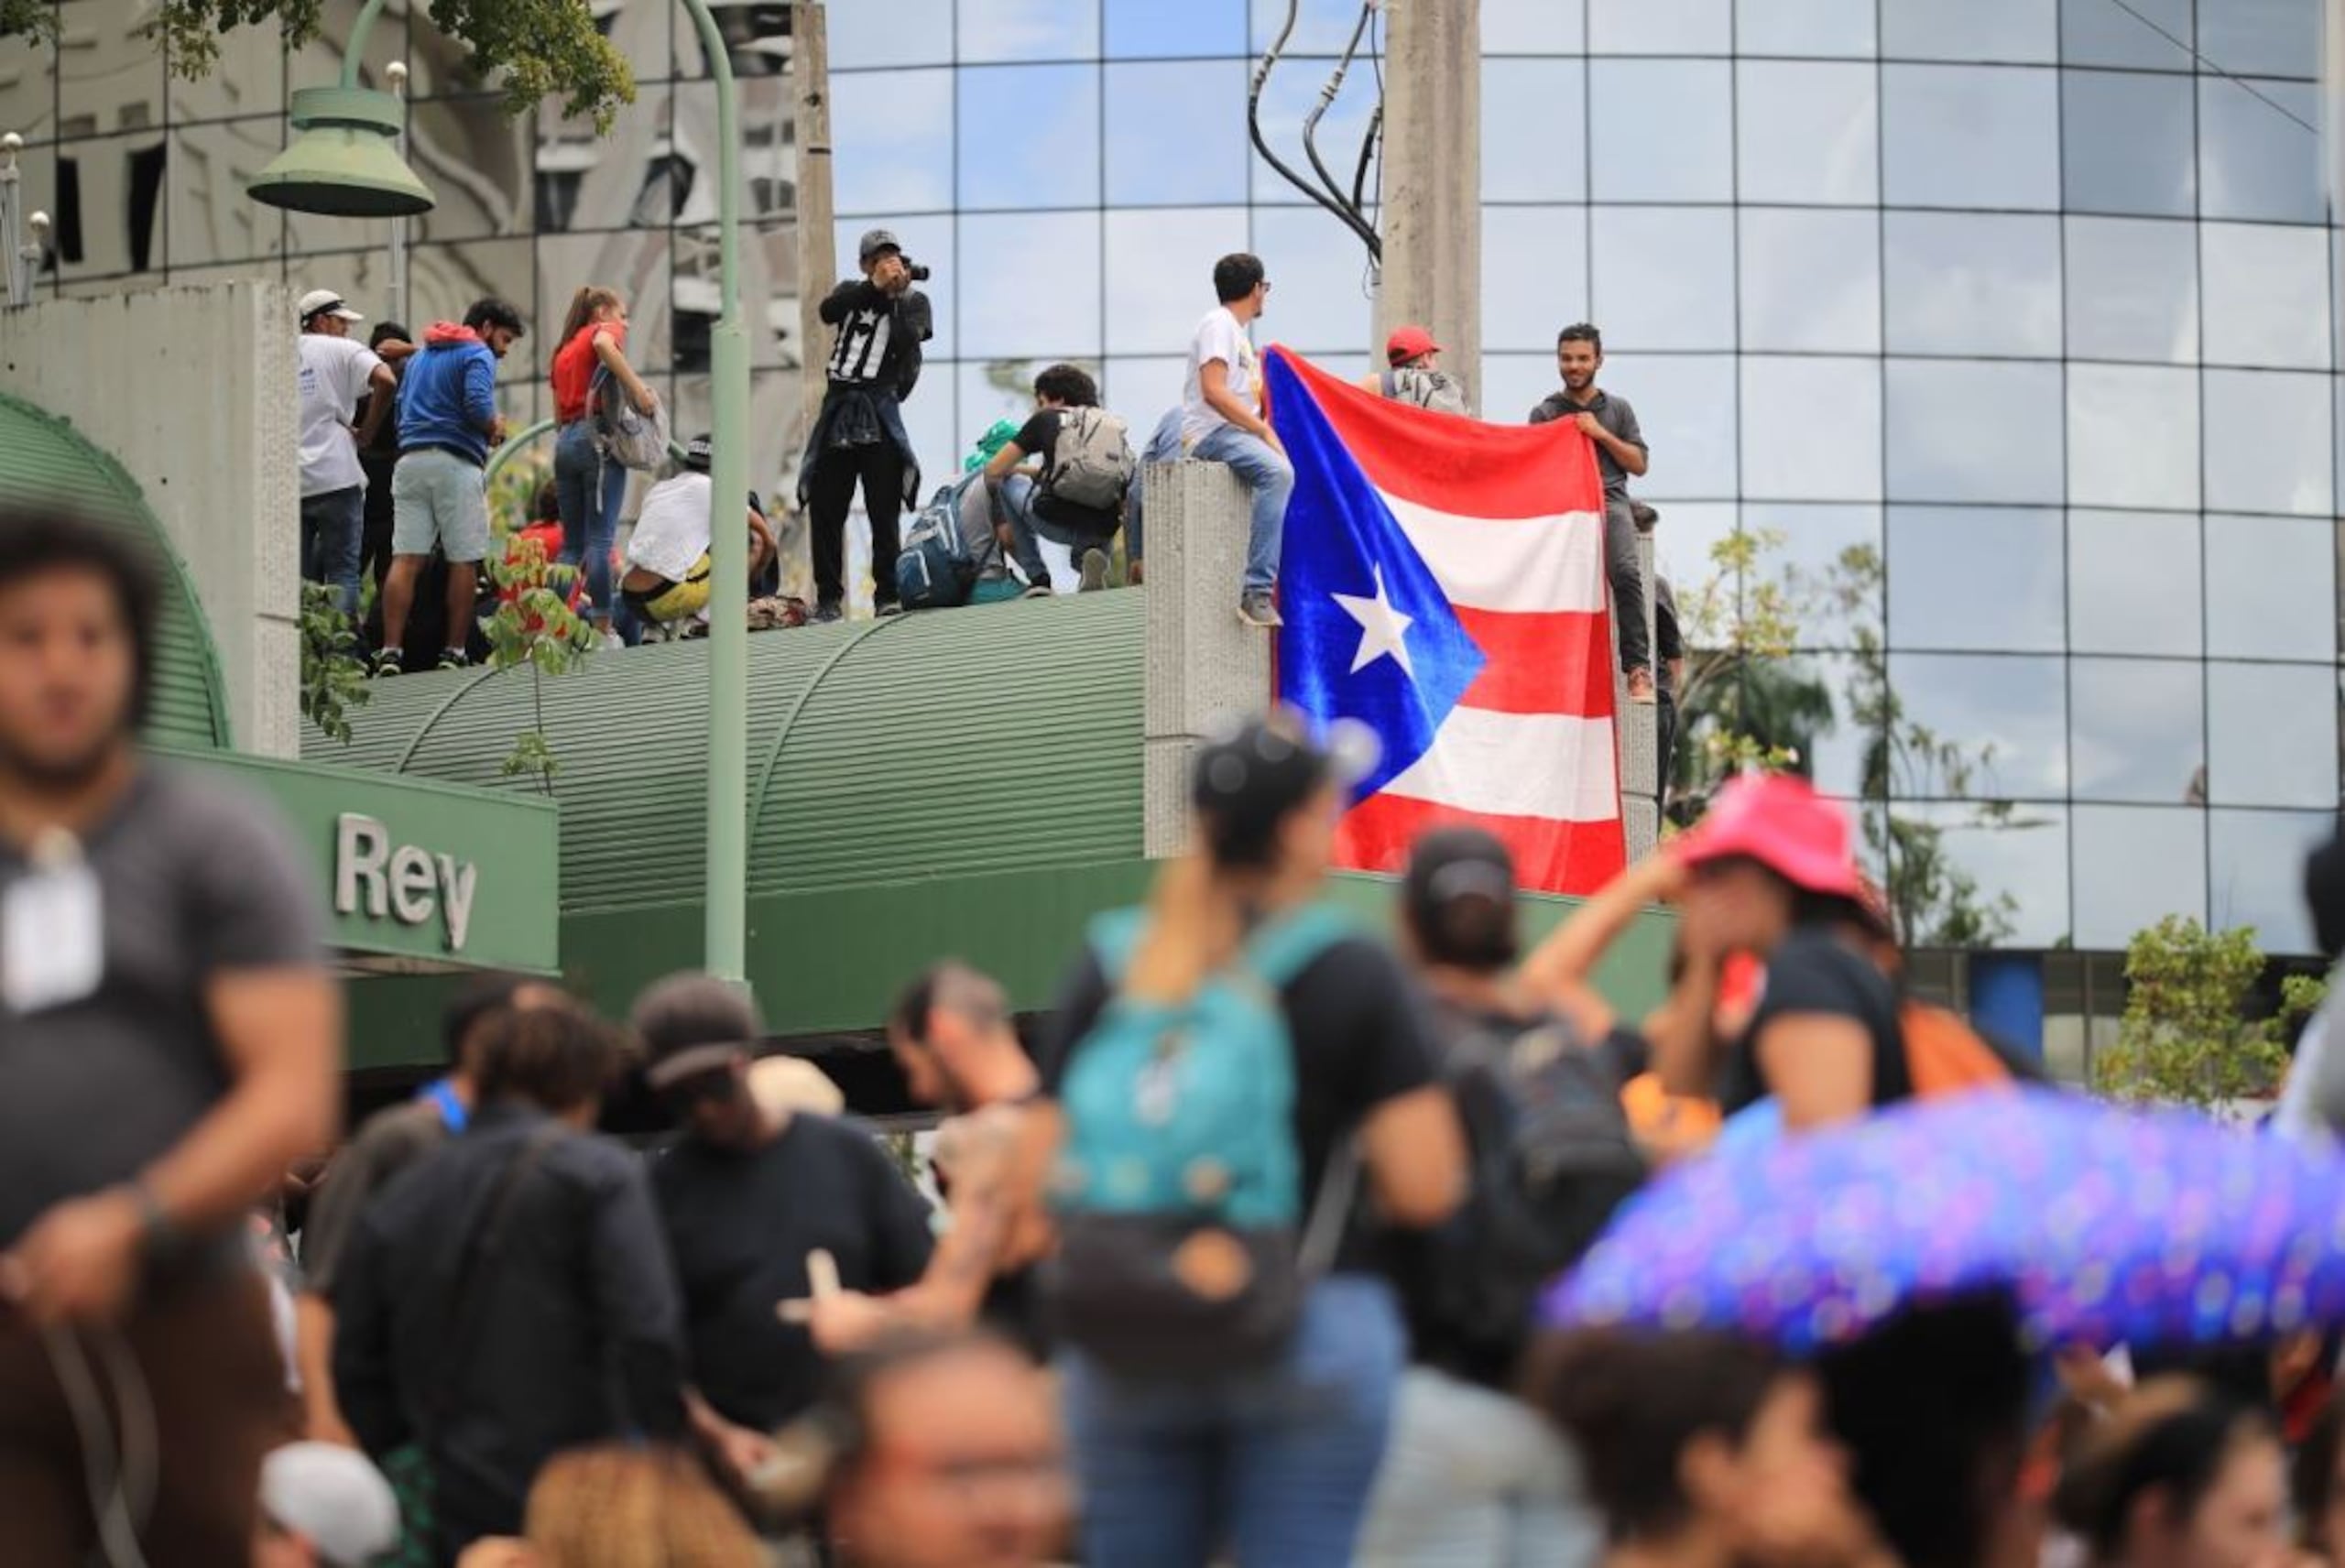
573,369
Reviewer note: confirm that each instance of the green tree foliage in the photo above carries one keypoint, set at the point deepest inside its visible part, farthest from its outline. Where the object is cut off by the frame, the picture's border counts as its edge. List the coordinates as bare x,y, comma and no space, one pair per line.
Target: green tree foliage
333,679
543,48
534,627
2186,1036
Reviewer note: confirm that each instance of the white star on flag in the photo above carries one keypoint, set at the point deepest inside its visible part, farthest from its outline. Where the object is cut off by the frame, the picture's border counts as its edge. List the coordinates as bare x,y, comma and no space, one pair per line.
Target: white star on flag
1383,631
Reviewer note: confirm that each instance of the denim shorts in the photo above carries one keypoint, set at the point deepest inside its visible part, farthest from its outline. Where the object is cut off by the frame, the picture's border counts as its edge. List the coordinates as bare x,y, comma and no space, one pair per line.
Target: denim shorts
439,498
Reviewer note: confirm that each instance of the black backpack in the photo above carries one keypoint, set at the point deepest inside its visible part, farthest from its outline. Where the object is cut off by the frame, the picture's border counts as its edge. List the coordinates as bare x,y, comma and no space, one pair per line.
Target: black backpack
1552,1157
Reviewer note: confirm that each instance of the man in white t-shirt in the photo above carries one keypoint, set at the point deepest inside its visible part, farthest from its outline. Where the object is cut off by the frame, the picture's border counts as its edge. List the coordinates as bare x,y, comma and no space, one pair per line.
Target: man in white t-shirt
667,556
1222,422
336,371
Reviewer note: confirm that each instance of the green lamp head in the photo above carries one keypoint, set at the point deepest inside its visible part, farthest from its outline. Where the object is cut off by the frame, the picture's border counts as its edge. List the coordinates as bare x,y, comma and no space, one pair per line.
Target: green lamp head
344,163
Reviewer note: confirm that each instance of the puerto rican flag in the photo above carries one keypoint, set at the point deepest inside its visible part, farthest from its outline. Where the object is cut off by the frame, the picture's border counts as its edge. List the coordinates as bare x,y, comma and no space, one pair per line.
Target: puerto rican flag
1443,582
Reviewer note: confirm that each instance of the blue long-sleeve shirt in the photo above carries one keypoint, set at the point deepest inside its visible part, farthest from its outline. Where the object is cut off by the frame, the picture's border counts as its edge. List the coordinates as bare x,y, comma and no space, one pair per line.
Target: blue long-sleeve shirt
447,395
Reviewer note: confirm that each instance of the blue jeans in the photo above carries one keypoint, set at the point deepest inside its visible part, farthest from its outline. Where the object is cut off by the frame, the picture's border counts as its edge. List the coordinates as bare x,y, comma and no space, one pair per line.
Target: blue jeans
1163,446
331,525
589,490
1264,470
1277,1466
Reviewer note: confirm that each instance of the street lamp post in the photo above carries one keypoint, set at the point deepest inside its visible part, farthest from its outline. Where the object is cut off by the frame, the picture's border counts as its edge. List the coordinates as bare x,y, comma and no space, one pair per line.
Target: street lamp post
396,73
345,163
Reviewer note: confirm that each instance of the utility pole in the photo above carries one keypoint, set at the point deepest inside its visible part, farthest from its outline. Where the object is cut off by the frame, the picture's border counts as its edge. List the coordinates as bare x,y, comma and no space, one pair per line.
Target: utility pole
809,68
396,74
1432,219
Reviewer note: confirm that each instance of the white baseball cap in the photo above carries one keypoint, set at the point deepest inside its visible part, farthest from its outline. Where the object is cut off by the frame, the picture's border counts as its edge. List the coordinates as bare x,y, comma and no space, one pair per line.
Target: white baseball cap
326,302
334,1499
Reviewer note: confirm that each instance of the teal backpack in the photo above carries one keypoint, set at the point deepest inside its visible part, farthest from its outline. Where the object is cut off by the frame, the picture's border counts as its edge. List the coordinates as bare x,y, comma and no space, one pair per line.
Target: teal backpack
1178,1187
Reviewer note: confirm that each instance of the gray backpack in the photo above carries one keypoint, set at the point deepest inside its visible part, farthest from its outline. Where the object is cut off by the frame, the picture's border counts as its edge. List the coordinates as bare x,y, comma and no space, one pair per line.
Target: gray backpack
1425,390
1091,463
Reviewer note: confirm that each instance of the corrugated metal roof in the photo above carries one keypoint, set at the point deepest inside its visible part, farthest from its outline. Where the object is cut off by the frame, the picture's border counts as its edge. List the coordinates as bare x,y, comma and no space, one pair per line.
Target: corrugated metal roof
45,462
938,745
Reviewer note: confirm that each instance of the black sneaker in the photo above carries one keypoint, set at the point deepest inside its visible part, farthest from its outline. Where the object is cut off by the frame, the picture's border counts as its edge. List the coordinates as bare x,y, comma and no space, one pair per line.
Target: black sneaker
1095,570
386,662
887,610
1257,609
825,613
1038,591
453,658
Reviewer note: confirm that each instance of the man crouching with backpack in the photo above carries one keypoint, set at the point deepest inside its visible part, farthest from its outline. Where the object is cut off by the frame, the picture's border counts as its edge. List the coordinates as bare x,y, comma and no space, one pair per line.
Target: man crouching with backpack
1073,493
1472,1473
1232,1065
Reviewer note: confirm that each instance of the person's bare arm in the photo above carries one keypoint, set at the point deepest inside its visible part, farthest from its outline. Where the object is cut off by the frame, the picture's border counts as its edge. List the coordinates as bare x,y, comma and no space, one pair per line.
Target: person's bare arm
1415,1154
1818,1066
1629,454
614,358
1213,380
999,466
1682,1031
739,1451
382,386
392,351
1561,970
314,1359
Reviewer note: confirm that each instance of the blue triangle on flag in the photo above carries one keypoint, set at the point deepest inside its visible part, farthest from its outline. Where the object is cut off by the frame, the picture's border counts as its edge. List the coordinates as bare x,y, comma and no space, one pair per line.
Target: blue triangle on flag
1369,635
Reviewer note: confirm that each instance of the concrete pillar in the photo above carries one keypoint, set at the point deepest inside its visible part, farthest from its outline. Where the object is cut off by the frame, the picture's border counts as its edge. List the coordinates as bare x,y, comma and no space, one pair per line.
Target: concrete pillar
1431,220
810,82
193,392
1640,733
1204,665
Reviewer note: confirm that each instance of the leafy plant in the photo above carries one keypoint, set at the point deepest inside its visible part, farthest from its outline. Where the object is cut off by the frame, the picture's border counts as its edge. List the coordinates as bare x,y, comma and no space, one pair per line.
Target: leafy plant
333,679
2186,1036
534,627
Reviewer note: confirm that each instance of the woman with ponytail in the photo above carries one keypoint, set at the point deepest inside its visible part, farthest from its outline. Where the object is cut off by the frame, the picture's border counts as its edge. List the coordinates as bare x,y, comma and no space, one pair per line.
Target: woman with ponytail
589,489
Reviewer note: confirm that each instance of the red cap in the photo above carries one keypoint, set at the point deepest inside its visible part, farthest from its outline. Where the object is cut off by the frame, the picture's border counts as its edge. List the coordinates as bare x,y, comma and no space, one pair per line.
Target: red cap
1783,823
1407,342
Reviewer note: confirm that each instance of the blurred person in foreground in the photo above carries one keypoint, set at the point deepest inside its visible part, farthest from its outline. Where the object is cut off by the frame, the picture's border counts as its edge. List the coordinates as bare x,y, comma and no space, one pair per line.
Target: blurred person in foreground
2179,1475
322,1506
170,1042
510,1297
2314,1486
1704,1451
1232,1365
747,1199
1472,1475
623,1507
2312,1101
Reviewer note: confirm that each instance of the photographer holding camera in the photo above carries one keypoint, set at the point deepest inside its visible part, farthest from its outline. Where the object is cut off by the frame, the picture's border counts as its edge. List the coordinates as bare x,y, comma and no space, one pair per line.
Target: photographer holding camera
883,320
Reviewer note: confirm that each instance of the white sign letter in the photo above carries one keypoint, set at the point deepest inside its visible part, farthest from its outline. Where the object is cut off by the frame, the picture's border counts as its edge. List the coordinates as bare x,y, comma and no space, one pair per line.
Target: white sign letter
456,885
360,847
412,885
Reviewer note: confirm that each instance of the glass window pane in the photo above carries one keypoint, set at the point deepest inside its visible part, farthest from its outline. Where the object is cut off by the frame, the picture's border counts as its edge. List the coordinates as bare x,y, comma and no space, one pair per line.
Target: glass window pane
1660,26
2258,860
1160,274
1137,29
930,240
1974,284
1966,135
1993,579
1552,165
1004,313
496,198
2271,588
1687,405
1319,305
2016,868
1289,99
1018,30
1534,26
1142,390
2128,143
2132,583
2135,865
210,217
1834,751
2009,716
2138,729
2260,38
1974,432
913,32
1805,27
1029,136
2272,735
1176,133
247,79
2021,31
2094,32
1321,26
892,136
2255,161
1684,545
2132,290
1811,281
2266,295
1534,278
1513,385
2267,442
1827,561
1811,428
1808,132
2133,437
1665,277
1684,155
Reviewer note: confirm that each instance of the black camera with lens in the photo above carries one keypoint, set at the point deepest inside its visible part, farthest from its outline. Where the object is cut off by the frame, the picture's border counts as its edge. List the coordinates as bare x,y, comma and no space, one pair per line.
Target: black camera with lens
919,274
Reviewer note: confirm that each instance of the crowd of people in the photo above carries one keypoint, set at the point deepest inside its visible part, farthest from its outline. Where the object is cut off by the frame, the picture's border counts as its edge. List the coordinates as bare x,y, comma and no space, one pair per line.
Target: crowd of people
1238,1253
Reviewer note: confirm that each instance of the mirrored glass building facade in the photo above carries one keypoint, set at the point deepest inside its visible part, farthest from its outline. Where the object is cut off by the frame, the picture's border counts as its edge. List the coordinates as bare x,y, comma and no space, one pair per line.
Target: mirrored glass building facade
2006,326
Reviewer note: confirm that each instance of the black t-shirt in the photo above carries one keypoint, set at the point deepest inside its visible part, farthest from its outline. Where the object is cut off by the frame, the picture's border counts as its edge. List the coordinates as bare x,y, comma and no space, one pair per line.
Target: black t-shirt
1039,438
1814,972
1359,1037
740,1226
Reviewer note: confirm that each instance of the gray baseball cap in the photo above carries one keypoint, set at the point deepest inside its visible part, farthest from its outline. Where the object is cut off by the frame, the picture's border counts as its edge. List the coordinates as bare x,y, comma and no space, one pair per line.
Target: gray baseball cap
334,1499
875,241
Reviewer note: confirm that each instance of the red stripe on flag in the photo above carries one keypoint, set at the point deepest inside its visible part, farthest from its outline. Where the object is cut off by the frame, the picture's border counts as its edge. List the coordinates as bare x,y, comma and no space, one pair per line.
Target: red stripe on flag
1549,856
1560,663
1456,465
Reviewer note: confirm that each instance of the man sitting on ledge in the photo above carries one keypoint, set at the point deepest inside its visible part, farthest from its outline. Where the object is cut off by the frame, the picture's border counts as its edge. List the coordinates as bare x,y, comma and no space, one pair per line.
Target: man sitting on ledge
1222,423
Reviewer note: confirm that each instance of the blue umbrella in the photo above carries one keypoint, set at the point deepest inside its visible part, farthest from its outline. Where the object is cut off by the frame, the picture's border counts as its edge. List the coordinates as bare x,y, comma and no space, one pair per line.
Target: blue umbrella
2104,1224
